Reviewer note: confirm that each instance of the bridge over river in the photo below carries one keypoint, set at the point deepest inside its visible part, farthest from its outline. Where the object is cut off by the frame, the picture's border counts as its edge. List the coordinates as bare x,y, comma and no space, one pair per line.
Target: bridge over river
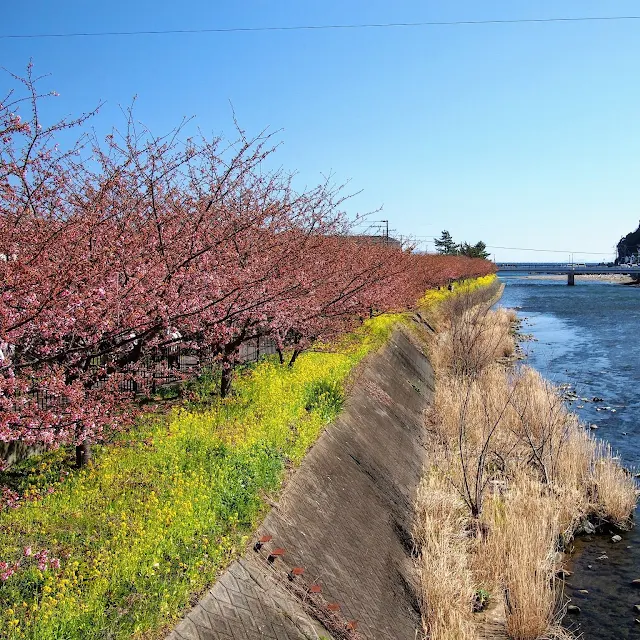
571,270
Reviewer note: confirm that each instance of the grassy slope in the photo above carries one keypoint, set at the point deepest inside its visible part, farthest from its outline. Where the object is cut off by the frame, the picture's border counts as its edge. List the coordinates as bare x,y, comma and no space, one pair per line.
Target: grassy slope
160,513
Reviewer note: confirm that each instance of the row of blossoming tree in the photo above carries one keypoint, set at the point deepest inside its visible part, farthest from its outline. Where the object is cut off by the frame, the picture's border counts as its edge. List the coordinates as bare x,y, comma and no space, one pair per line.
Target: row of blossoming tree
112,249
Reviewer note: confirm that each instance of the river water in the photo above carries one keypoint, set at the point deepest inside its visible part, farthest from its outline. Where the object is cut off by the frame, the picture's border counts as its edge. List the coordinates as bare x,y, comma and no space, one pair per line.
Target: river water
589,336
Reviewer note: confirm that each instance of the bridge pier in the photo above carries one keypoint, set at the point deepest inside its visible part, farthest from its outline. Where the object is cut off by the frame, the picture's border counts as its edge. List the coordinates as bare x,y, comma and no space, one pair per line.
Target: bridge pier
571,279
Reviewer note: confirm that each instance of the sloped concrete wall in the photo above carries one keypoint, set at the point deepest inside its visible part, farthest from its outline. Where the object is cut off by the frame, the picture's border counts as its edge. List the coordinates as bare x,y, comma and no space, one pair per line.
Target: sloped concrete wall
345,517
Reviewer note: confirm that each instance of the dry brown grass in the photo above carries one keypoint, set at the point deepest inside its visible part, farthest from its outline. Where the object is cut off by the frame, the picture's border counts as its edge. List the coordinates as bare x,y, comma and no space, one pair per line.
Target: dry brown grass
529,561
474,339
614,490
512,474
447,585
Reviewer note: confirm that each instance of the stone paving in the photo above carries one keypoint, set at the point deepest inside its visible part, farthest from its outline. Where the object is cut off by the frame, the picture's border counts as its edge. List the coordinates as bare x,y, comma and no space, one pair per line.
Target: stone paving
345,516
246,603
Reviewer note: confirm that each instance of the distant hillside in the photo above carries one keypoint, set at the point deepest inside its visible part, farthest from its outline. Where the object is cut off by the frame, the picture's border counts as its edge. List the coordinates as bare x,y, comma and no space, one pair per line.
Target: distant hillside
629,246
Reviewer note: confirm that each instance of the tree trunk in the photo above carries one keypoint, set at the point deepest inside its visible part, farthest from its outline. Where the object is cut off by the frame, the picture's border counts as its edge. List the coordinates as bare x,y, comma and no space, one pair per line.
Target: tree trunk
294,357
83,454
230,354
225,381
280,355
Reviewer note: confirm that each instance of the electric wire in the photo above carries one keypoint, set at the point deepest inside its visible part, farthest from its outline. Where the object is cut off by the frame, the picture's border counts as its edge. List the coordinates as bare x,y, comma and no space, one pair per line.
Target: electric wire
322,27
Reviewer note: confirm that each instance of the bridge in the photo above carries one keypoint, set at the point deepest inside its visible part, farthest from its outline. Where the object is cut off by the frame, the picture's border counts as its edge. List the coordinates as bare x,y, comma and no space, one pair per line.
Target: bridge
571,269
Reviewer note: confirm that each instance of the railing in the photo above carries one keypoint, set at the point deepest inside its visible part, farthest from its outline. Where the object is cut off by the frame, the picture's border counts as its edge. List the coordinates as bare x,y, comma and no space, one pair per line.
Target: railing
563,267
166,366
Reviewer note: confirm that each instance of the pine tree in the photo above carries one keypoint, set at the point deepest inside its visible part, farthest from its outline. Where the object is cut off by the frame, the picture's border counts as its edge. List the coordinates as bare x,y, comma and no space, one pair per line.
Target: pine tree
445,245
477,250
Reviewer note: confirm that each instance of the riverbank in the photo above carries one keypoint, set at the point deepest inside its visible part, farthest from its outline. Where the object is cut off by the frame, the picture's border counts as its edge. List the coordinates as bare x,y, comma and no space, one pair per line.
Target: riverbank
583,340
512,477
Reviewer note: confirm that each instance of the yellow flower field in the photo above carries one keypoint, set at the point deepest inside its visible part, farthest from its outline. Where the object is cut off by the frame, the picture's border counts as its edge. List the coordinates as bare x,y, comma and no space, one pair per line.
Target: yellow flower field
119,549
161,512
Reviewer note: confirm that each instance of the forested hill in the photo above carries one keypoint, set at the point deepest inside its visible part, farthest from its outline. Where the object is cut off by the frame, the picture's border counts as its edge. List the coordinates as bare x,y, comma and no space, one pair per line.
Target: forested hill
629,245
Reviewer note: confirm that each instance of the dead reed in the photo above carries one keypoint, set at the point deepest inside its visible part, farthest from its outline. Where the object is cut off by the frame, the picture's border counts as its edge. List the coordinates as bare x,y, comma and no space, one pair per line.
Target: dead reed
512,475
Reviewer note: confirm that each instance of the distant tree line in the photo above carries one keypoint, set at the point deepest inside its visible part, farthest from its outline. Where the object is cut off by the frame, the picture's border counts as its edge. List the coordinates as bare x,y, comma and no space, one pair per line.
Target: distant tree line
446,246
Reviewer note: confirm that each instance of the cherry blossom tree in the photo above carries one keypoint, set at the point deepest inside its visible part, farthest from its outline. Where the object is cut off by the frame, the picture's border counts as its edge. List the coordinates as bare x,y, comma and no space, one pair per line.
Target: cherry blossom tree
114,250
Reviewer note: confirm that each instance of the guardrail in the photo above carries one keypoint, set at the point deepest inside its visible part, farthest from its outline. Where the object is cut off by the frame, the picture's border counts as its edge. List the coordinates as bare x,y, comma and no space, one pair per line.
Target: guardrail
568,268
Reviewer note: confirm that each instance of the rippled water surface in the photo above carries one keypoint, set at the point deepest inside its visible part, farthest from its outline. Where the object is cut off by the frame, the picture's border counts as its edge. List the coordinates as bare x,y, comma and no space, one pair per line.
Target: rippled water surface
589,336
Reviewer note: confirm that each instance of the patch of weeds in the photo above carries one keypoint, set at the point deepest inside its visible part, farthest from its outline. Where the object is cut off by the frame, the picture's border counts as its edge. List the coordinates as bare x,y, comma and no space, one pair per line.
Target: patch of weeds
38,474
204,390
481,600
326,397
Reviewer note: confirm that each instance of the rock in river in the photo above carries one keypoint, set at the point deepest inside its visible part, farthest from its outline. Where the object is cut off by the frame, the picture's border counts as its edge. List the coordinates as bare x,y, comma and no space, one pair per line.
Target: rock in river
586,527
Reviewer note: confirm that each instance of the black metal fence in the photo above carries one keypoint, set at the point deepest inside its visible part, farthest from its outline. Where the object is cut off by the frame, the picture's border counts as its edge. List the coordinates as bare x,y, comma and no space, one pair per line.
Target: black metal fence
165,366
253,350
168,365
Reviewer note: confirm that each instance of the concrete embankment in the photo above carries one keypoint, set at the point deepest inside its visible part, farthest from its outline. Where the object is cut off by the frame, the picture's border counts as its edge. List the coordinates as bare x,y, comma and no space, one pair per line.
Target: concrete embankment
344,517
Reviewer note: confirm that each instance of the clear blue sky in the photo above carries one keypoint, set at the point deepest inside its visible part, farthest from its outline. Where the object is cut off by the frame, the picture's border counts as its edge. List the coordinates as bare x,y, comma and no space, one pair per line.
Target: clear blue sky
522,135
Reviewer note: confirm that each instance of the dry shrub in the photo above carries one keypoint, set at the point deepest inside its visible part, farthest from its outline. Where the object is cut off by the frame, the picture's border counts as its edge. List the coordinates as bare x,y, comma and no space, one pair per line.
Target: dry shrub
477,400
512,315
573,477
516,559
615,490
511,465
545,429
540,409
470,411
446,582
474,337
529,531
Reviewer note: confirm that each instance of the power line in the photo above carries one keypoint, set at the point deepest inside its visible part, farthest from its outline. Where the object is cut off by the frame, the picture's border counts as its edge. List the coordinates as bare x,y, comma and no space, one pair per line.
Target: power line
319,27
490,246
593,253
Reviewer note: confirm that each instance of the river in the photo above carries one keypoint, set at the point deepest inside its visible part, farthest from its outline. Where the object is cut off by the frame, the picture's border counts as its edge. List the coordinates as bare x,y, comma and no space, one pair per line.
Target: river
588,336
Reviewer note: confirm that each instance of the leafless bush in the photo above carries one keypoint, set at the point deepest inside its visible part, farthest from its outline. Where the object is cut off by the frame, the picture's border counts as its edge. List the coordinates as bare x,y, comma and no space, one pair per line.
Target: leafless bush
512,473
543,426
470,413
474,337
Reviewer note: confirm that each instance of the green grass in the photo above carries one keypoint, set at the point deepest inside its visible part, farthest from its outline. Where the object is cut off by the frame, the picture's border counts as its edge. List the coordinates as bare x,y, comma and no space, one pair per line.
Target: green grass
162,511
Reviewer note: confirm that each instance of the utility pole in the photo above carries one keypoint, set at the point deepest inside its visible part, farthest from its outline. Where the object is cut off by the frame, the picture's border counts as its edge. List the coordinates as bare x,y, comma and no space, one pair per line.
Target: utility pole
386,233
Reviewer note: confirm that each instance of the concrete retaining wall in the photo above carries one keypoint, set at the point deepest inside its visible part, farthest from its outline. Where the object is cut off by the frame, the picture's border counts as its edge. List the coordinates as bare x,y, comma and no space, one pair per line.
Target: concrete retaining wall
344,517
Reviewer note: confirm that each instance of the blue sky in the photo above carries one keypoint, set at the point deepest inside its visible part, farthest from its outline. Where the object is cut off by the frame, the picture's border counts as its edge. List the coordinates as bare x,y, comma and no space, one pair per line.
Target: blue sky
522,135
